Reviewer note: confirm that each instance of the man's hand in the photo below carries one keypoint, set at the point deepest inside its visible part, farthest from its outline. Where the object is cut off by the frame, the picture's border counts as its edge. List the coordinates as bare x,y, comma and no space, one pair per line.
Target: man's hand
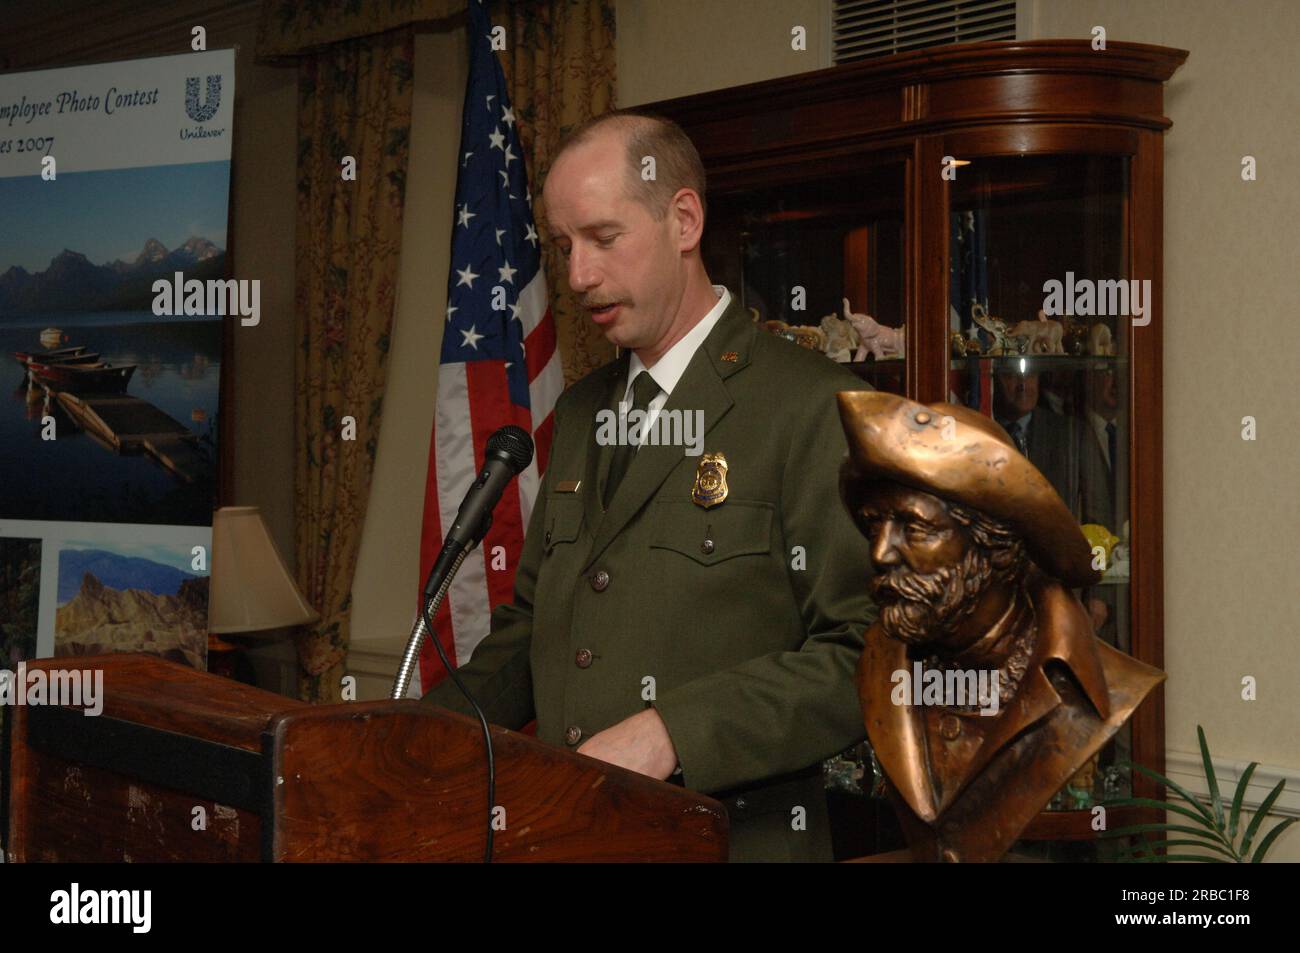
640,743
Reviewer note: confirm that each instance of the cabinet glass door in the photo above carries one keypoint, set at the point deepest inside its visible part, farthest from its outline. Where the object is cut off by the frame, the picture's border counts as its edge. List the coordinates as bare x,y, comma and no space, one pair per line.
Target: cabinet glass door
795,251
1039,319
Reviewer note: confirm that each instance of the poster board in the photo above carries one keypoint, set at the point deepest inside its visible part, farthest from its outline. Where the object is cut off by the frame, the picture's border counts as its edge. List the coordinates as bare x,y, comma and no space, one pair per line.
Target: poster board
113,178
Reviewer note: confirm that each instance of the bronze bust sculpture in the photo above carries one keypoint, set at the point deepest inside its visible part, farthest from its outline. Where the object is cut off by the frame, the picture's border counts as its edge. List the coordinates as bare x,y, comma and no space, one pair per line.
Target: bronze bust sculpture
974,555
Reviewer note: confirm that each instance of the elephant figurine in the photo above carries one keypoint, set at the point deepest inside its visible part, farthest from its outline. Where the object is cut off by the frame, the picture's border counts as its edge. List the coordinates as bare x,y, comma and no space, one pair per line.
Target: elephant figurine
874,338
1044,335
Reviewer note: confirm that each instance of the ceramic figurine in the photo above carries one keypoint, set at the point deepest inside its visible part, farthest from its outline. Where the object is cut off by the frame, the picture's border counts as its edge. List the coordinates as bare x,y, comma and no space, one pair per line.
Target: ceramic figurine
1100,342
877,339
814,339
1076,337
1004,342
1044,335
841,338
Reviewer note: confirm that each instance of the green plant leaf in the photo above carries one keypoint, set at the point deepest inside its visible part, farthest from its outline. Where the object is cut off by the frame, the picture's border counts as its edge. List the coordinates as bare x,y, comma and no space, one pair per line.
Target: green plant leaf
1156,846
1265,806
1267,842
1194,858
1211,839
1161,827
1180,791
1238,798
1211,781
1200,818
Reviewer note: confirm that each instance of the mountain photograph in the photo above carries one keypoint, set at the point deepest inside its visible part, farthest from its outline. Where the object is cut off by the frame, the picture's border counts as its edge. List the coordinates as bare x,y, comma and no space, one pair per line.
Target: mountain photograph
72,282
117,572
112,602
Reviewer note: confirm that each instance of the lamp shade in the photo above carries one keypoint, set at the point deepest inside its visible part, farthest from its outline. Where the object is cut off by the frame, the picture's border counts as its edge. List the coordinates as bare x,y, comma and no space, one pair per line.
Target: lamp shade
251,589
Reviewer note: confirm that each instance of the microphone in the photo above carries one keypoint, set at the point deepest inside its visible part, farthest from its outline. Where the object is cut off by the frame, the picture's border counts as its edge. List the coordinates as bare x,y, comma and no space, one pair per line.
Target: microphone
508,452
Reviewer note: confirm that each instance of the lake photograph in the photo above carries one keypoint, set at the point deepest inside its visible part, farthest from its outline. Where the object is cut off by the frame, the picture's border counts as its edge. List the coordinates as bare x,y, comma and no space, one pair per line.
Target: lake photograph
109,412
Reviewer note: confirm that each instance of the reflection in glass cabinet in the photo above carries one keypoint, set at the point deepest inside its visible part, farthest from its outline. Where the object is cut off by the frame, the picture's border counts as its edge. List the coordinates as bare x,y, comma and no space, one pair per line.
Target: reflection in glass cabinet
1039,314
797,253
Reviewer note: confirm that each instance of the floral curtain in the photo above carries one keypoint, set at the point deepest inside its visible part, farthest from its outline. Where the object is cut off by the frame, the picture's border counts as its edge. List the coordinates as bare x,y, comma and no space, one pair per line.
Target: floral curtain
560,66
354,118
292,27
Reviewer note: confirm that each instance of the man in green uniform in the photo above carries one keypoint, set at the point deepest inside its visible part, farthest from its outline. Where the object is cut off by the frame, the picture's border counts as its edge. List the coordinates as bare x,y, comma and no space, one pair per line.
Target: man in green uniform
690,599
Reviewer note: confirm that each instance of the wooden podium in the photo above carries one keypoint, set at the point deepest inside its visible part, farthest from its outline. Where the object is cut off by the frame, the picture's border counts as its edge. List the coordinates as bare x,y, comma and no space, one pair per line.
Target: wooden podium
281,780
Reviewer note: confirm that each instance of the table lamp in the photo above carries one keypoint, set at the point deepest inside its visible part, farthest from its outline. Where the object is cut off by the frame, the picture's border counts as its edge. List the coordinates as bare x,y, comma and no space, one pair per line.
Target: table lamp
251,591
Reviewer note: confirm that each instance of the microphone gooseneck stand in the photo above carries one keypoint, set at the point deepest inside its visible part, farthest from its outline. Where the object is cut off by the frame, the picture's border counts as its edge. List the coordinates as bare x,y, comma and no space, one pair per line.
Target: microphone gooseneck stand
509,451
424,627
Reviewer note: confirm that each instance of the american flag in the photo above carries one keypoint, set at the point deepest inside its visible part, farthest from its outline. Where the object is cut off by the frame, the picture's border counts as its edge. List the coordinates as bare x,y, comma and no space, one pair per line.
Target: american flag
499,362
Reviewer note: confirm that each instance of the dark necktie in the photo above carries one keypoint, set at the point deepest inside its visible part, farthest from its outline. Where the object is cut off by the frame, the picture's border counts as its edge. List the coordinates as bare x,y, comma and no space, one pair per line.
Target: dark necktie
1017,433
1113,443
644,390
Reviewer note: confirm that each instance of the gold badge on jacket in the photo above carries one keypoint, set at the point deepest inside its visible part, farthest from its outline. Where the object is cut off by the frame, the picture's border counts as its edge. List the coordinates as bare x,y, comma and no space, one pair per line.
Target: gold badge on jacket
710,480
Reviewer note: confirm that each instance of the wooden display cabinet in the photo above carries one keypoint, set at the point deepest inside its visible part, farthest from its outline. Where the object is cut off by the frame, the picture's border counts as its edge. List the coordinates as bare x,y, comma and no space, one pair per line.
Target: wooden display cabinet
832,184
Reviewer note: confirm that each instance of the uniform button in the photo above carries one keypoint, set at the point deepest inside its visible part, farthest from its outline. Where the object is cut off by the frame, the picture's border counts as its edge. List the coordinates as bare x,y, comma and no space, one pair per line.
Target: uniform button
706,547
547,538
583,658
600,580
572,735
740,804
949,727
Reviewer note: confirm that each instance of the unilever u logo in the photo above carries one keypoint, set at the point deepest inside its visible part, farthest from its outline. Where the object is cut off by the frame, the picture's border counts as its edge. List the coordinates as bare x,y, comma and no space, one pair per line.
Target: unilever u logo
202,112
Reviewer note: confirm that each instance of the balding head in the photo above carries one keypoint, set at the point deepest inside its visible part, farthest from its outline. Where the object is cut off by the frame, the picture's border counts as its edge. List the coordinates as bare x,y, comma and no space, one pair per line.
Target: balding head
677,163
631,243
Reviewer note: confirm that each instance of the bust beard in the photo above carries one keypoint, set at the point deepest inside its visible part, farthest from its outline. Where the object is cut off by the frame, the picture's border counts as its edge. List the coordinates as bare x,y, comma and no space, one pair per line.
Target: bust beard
919,608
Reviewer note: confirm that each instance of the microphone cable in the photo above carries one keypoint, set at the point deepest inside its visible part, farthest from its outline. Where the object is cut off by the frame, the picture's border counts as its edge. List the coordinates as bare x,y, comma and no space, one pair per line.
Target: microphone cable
514,446
482,719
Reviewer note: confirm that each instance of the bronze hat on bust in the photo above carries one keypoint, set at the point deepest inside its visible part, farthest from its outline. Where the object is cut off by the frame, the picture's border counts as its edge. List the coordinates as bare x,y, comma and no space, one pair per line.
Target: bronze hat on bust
958,453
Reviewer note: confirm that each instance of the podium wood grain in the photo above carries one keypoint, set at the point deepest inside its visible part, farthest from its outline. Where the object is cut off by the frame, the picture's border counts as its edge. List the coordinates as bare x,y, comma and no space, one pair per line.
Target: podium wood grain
373,781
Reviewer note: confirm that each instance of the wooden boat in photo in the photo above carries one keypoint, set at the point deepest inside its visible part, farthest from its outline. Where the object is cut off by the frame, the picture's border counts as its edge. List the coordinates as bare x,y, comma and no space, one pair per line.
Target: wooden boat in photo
130,425
61,351
70,355
95,378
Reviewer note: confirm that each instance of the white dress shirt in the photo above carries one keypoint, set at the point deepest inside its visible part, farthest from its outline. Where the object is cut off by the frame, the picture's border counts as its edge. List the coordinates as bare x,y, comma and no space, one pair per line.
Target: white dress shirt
668,370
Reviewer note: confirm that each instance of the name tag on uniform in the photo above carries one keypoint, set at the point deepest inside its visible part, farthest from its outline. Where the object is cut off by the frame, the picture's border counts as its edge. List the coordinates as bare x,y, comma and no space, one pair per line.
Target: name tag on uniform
568,486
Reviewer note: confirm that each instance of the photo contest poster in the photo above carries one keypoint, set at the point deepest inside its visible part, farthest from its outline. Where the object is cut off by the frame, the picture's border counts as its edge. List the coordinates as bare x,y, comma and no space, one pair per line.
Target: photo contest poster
113,177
